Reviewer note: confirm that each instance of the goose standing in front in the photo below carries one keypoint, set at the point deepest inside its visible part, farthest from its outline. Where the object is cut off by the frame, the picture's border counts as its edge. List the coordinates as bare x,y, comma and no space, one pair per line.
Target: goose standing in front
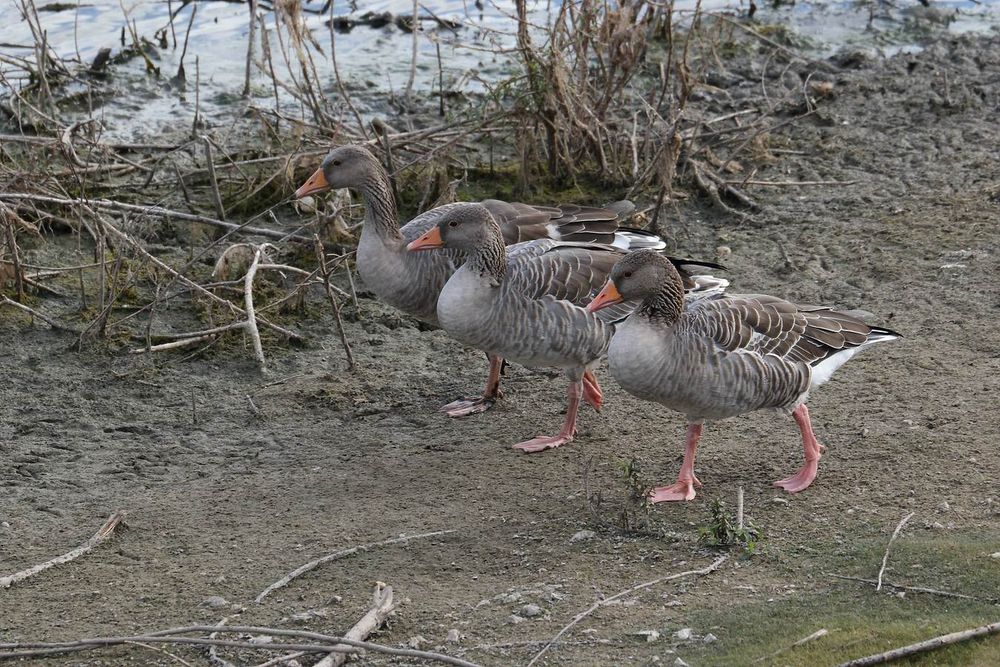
412,282
723,356
524,302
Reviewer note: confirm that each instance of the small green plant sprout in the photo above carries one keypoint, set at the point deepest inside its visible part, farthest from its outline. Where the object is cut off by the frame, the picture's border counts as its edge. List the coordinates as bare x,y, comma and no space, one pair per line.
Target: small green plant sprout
725,531
634,514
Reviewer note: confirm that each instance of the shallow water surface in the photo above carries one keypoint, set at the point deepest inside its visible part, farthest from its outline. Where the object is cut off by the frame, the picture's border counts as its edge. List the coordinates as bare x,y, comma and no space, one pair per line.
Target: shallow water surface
379,59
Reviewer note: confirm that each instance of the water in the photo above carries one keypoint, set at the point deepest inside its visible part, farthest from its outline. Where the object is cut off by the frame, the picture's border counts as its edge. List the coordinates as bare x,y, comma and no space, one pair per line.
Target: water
379,59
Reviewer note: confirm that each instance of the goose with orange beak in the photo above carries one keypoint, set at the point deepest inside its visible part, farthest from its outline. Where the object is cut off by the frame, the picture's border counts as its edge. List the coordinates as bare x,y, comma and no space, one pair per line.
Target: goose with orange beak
720,356
412,282
524,303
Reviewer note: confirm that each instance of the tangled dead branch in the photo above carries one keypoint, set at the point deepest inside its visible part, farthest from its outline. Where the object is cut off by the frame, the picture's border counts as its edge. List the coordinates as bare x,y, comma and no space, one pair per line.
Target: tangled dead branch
17,650
604,95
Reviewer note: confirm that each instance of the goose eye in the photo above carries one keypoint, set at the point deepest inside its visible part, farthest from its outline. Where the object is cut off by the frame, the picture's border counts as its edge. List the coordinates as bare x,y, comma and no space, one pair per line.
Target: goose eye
453,223
627,274
336,163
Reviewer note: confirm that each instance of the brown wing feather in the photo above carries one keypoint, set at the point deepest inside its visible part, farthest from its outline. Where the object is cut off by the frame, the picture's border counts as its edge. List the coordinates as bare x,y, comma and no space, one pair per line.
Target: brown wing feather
769,325
571,272
569,222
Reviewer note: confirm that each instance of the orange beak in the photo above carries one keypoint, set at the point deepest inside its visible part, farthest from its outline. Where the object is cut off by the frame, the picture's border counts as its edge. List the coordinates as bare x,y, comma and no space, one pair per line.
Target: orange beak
316,183
608,296
432,239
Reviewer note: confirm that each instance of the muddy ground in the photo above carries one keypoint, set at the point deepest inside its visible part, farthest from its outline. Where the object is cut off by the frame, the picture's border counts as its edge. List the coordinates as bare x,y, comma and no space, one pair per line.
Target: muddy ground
224,498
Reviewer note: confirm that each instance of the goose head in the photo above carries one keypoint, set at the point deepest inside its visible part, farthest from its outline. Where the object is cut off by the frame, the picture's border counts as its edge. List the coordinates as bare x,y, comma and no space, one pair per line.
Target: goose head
343,167
639,276
469,228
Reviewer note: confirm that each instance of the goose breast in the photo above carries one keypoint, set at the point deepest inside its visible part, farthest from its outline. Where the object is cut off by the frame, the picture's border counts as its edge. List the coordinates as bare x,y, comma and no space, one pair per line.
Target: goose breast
689,373
502,320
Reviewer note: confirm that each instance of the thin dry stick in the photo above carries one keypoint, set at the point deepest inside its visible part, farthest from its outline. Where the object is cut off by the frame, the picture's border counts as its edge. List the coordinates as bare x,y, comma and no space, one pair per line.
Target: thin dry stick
35,649
250,45
601,603
885,556
281,659
213,656
184,342
415,25
924,646
822,632
157,211
325,272
15,255
197,96
193,285
789,184
34,313
775,45
739,508
104,533
251,324
340,82
220,210
163,651
915,589
381,610
311,565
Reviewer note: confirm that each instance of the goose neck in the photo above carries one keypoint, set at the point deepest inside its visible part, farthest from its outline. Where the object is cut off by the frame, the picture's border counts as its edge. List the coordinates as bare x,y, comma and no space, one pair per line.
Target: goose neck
489,260
380,206
666,303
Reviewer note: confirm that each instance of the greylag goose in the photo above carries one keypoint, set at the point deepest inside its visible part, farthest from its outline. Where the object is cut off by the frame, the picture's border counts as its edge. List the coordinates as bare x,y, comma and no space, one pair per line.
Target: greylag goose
523,302
412,282
721,356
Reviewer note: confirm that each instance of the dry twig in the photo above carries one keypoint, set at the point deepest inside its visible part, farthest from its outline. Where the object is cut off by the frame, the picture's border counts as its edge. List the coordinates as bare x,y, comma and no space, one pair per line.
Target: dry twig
102,534
34,313
158,211
14,650
213,656
381,610
822,632
325,272
312,565
601,603
915,589
251,322
885,556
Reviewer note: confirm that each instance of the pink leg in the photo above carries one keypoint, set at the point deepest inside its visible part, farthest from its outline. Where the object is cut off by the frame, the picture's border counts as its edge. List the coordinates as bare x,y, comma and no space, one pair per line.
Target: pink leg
812,449
686,481
471,406
544,442
592,393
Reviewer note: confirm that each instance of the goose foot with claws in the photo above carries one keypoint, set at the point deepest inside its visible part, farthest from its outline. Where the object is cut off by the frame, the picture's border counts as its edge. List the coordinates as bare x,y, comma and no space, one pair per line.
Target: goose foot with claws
543,442
471,406
682,490
801,480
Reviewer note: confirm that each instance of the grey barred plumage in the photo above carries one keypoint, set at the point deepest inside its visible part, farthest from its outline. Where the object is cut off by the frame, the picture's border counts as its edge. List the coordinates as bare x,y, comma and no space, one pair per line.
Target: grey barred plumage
412,282
717,356
524,302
